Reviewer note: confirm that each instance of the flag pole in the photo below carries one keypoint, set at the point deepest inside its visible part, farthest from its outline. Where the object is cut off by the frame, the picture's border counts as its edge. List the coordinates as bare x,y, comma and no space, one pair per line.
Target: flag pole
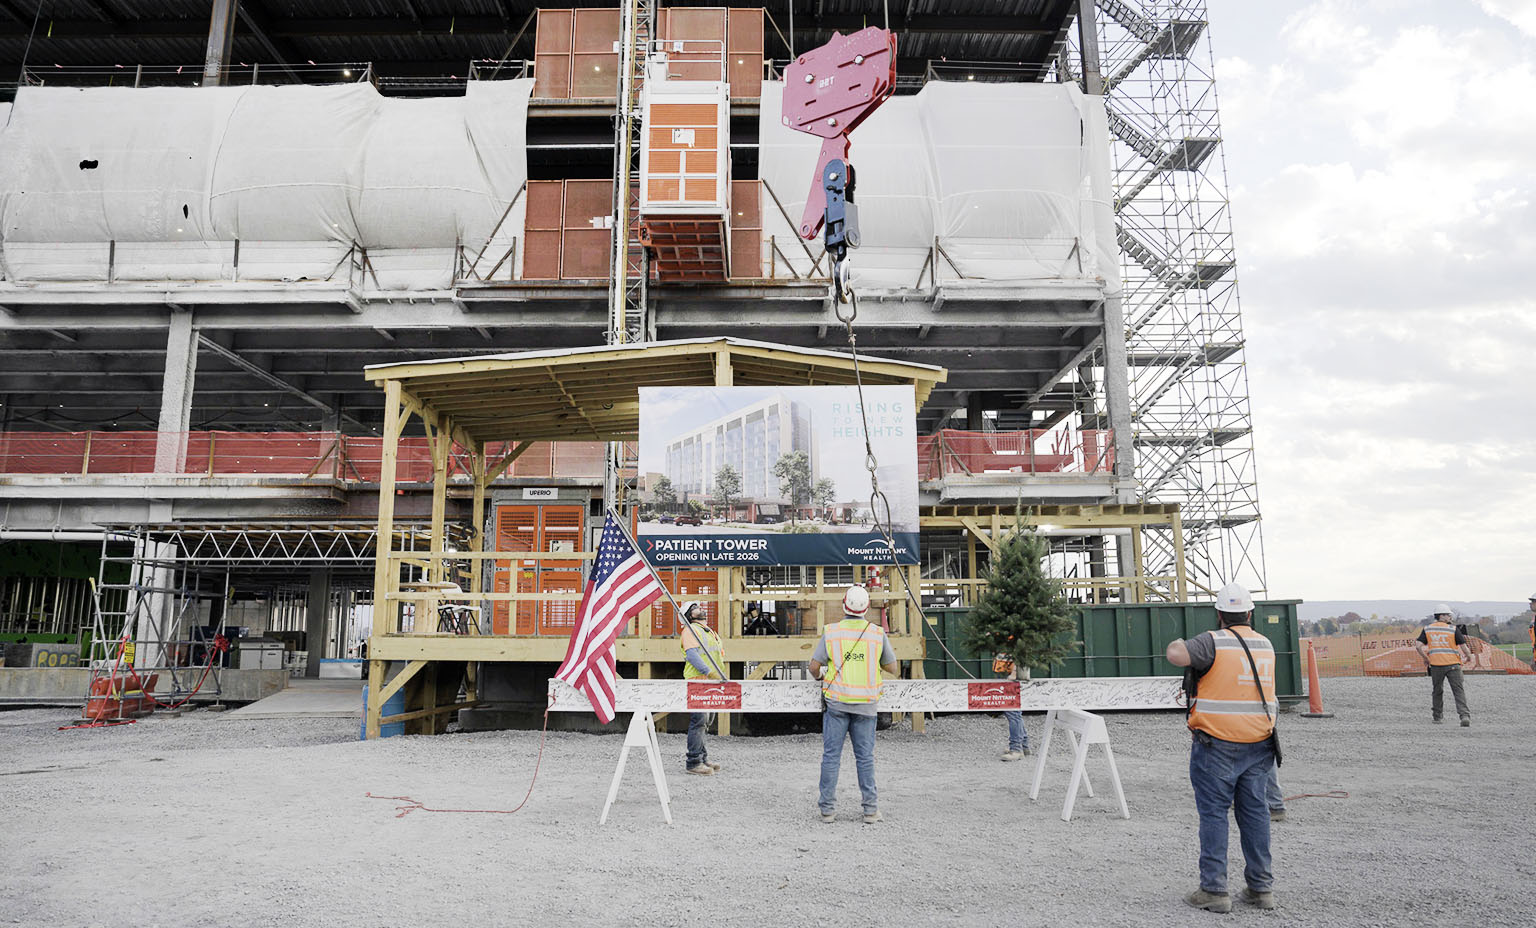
617,520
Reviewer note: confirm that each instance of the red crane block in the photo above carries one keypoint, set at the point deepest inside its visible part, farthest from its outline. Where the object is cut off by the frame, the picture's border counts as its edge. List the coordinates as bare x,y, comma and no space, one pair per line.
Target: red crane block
828,91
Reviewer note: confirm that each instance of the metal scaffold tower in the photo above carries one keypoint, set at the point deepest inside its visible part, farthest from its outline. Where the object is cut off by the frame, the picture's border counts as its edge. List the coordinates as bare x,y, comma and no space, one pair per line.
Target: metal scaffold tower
1193,432
629,318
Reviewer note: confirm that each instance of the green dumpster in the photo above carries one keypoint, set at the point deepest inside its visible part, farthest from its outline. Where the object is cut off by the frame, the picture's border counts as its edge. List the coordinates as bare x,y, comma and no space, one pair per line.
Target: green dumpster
1124,641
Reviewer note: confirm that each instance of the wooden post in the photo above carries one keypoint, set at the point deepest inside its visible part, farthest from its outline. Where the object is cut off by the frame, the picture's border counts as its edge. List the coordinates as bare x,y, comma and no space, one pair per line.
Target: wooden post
919,719
821,604
969,597
384,569
724,621
1182,579
440,449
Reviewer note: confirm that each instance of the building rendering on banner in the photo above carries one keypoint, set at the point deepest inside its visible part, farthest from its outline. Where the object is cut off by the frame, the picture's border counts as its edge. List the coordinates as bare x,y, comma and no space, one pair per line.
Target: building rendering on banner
211,225
749,440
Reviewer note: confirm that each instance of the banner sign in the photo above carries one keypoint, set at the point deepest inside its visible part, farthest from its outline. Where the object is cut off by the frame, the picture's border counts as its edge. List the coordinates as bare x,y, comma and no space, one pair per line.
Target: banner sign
776,475
1091,694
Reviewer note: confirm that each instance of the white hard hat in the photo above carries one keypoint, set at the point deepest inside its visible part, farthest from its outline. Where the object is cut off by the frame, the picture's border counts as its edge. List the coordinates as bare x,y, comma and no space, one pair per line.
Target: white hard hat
1443,609
689,607
856,601
1234,597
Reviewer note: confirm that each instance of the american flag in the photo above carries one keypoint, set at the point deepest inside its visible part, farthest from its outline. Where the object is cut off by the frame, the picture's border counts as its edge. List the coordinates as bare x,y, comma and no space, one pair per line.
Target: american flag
621,585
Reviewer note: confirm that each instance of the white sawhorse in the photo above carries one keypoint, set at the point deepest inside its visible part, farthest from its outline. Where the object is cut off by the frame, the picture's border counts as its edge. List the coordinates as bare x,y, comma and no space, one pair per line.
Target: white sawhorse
1083,729
641,734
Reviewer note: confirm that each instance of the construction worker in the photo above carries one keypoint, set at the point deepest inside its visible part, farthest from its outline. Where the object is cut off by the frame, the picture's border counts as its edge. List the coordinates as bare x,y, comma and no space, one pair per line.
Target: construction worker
704,653
1233,748
849,660
1532,631
1018,735
1443,647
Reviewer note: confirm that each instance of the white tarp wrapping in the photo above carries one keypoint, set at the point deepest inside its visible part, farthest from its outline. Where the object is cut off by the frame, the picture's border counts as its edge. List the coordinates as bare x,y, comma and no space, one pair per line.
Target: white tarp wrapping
298,175
1011,179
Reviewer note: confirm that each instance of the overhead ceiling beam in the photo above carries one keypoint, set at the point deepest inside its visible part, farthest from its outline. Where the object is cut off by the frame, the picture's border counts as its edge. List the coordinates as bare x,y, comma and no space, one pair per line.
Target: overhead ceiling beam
283,53
364,27
11,9
268,377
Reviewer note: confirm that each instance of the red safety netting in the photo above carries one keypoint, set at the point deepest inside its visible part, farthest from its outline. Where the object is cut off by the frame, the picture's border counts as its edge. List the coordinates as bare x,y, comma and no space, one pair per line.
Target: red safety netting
952,452
315,454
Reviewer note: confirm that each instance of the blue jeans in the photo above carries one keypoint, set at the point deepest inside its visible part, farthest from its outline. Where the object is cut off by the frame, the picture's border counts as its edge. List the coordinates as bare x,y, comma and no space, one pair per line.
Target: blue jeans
1018,738
697,754
1272,792
837,724
1227,775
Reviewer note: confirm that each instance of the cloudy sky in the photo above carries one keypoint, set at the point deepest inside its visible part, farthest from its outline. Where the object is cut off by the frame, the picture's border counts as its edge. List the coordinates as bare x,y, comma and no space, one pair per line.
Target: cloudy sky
1382,162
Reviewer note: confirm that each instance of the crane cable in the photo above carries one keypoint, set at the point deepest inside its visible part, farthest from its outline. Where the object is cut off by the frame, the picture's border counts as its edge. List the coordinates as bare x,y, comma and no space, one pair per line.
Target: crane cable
877,498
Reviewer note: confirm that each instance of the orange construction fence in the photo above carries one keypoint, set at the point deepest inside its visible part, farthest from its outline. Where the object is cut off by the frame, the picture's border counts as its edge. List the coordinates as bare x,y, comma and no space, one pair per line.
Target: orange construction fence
1392,654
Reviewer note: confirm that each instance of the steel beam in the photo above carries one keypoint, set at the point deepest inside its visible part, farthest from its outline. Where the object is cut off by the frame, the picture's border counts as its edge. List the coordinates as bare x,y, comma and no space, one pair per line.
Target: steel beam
221,38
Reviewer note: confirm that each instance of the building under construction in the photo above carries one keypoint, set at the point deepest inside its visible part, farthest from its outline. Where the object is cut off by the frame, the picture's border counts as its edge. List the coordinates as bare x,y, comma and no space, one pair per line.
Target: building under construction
285,282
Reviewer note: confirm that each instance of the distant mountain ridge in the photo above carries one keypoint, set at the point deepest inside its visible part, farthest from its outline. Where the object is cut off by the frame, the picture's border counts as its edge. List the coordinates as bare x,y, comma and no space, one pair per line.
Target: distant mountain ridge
1405,609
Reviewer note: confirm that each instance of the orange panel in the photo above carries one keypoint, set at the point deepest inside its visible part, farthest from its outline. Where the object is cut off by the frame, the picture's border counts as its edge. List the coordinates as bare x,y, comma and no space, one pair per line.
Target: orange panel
663,189
558,618
553,32
706,22
746,253
595,31
544,204
699,190
517,529
685,585
666,162
684,114
595,76
586,199
552,77
584,255
746,204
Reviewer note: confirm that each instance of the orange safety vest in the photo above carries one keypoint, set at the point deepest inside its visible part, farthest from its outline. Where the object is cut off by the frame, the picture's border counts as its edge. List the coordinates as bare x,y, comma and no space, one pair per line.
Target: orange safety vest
854,647
1442,644
1227,704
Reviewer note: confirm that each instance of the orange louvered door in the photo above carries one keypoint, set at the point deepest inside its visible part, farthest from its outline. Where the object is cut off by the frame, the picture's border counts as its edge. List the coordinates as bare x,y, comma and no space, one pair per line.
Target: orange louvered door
517,529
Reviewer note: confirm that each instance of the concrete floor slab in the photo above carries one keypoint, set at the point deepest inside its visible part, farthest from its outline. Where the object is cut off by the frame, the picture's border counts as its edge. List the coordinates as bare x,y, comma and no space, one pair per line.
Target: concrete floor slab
309,699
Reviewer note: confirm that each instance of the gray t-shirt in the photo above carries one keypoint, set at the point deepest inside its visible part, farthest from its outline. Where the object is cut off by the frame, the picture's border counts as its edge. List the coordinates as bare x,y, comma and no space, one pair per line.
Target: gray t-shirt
1202,652
887,657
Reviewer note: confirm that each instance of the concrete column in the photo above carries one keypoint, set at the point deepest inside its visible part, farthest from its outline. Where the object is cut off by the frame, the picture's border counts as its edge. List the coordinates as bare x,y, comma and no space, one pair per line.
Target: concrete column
221,38
176,394
316,618
1088,40
1117,397
974,409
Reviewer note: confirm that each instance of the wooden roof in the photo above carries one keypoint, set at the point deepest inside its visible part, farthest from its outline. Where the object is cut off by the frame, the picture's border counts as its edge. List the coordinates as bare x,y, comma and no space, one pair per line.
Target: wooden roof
593,393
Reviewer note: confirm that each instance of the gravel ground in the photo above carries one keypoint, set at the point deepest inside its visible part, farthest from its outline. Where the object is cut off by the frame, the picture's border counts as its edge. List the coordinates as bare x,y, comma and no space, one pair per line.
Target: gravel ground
210,820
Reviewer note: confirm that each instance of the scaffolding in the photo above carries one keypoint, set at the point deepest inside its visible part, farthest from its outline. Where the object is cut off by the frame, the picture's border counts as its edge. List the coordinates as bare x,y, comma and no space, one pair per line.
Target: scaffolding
174,589
1193,432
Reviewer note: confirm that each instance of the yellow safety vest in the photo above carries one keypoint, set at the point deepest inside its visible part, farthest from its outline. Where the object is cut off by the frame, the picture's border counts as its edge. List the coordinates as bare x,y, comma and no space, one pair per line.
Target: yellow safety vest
710,642
854,647
1227,703
1442,644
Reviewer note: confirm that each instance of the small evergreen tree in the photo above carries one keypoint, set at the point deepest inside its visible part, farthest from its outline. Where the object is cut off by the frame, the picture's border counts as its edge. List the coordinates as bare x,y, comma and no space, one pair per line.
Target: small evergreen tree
1022,614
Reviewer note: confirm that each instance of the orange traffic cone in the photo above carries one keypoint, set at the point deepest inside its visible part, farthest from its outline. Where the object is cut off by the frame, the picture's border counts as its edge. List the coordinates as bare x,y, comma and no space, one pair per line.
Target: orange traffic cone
1314,688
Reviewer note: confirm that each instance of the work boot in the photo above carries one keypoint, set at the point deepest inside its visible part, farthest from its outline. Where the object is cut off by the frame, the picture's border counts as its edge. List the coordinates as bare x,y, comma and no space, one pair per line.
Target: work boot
712,765
1466,723
1012,755
1265,900
1277,815
871,817
1438,721
828,818
702,770
1211,902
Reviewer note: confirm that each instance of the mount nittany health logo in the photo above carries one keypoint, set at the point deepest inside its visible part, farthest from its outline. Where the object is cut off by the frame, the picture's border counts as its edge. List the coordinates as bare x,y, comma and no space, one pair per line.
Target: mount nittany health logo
993,694
714,695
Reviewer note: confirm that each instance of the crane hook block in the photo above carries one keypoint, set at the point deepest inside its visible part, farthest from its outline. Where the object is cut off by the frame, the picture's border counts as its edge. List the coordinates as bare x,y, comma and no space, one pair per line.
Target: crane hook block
828,91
